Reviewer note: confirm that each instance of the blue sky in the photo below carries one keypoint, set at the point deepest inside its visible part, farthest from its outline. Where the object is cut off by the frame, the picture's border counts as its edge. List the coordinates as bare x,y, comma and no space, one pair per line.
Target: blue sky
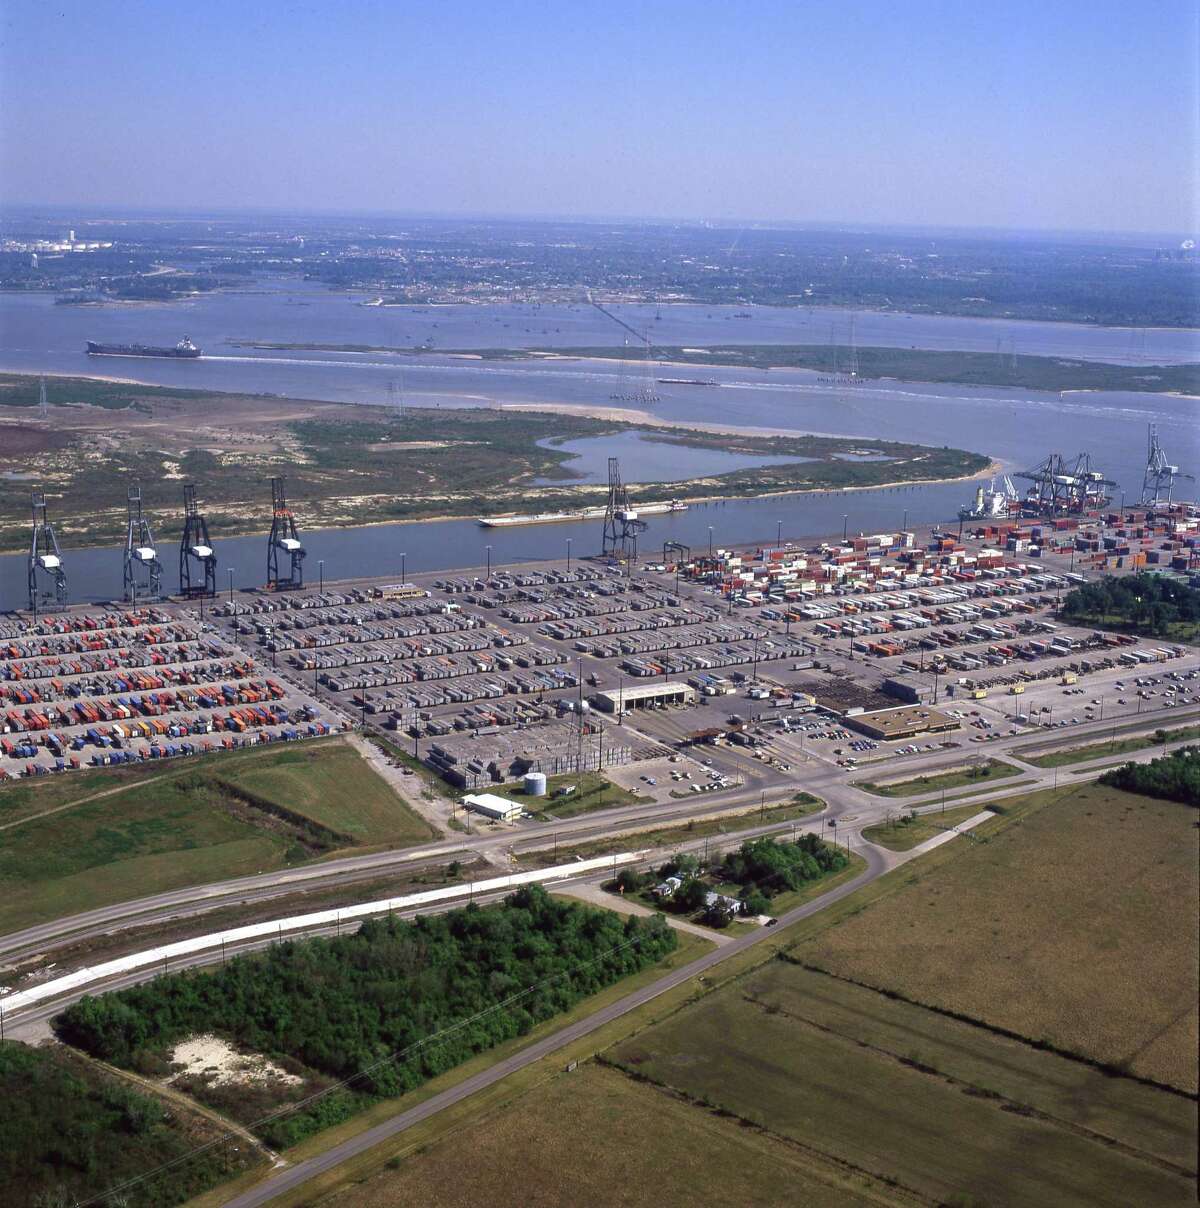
1016,114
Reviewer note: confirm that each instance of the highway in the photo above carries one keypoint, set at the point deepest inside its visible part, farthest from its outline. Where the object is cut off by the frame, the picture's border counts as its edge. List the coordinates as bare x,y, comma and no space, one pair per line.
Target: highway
822,778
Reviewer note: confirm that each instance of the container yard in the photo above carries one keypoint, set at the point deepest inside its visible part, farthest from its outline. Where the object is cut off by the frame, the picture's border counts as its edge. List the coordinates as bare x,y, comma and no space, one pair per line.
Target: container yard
486,676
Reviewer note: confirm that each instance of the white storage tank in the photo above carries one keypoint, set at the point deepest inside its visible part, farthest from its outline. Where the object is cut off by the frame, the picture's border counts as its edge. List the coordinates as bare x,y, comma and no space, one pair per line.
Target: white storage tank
535,784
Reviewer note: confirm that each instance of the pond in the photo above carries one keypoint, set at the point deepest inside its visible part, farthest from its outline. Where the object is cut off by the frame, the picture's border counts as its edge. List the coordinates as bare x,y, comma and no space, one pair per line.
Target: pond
645,458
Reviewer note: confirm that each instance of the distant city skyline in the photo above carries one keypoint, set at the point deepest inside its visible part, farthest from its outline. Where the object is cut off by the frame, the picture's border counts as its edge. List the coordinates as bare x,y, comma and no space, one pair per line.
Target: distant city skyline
1059,116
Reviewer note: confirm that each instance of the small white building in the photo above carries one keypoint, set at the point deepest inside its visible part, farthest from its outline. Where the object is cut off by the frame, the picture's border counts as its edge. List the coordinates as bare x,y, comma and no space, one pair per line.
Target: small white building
492,806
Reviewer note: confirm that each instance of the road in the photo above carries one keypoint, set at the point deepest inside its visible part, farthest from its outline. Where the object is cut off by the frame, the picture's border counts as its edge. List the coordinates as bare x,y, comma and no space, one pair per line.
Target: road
822,778
292,1177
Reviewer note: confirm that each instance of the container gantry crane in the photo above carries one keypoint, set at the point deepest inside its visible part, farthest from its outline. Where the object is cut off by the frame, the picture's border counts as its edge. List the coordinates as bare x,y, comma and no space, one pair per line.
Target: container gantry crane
44,557
285,540
197,558
143,570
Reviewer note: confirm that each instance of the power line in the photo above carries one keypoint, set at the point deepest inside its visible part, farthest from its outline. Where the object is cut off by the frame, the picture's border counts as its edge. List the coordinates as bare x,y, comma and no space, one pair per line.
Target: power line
397,1055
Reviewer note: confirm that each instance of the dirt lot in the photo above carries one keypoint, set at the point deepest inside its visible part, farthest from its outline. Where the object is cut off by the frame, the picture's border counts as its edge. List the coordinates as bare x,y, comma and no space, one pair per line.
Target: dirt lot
1076,926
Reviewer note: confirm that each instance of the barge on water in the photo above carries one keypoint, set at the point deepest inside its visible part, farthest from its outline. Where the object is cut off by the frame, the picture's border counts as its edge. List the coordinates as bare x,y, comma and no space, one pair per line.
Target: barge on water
588,513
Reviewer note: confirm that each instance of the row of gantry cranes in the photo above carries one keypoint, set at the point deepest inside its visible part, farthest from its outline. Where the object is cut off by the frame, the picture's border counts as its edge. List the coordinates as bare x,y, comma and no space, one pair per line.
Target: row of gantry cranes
1061,486
142,566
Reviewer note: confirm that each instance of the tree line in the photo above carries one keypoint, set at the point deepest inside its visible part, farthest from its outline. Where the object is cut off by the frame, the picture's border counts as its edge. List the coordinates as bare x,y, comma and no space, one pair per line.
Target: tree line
1148,604
1173,777
435,990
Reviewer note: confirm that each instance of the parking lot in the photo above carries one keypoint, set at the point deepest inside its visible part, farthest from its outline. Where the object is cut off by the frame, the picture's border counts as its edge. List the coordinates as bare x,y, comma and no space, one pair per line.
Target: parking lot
94,687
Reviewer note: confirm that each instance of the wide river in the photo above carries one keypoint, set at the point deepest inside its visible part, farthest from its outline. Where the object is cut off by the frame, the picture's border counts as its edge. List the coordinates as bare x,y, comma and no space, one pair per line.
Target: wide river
1018,427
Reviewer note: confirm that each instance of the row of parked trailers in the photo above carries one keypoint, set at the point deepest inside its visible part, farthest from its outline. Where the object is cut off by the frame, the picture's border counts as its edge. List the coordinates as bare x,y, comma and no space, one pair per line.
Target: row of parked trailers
717,634
167,750
112,683
582,605
623,622
508,580
463,689
59,623
172,662
708,658
148,705
35,647
445,646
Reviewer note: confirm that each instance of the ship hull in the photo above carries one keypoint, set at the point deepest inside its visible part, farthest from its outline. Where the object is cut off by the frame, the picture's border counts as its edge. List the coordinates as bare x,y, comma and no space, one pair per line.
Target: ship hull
140,350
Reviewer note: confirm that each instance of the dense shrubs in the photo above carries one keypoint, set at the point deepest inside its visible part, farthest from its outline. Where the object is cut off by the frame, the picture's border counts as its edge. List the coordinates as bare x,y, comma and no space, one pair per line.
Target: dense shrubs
765,868
339,1006
68,1131
1174,777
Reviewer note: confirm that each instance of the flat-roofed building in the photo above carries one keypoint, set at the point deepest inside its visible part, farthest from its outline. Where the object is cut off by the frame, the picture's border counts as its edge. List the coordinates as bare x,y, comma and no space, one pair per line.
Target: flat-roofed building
644,696
907,721
492,806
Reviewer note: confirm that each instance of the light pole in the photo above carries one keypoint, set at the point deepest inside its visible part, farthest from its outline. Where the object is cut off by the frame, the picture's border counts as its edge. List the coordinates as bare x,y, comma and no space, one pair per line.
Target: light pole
321,574
231,570
568,555
710,528
778,533
404,568
845,525
904,523
489,562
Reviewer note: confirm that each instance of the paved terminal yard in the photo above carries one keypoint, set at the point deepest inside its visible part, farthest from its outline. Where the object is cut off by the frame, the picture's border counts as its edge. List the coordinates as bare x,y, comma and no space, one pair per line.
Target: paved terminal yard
780,650
100,686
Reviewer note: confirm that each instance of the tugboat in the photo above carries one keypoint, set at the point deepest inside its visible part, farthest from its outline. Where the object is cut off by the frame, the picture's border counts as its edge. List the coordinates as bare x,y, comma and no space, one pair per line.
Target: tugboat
185,349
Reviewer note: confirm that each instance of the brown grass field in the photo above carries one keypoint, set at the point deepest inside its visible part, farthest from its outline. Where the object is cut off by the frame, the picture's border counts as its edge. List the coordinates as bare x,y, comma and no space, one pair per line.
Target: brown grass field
947,1112
595,1136
1075,925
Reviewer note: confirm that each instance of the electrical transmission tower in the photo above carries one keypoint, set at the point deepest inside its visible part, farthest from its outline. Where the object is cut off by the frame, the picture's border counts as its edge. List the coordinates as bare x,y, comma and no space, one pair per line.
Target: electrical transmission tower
143,571
43,405
197,560
1158,481
283,539
621,523
44,557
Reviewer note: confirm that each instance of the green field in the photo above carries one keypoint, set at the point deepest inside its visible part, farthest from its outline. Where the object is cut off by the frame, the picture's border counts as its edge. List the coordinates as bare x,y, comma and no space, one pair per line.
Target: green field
902,832
206,819
69,1130
596,1137
1115,746
591,791
667,837
897,1093
976,774
1073,924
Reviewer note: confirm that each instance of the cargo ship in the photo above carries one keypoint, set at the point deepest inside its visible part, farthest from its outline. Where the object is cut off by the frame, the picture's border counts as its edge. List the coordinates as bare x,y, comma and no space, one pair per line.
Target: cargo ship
184,349
589,513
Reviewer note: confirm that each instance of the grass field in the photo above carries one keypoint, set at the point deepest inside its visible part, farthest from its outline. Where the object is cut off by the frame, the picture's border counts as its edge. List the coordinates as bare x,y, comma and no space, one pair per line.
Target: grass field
903,832
592,791
595,1136
1075,925
166,826
668,837
976,774
1115,746
895,1092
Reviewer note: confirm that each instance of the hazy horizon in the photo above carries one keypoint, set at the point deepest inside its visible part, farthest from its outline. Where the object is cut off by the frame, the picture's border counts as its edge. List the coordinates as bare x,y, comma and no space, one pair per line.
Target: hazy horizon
1066,117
